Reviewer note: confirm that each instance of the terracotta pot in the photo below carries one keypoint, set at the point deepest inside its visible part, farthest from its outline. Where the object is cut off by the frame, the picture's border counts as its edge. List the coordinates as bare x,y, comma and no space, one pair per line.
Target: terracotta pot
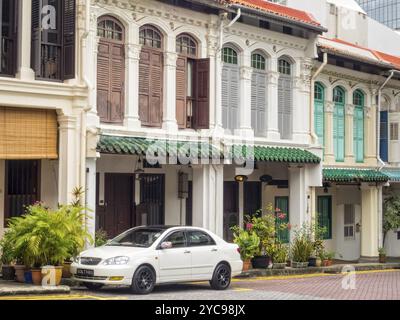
53,275
20,273
37,277
66,272
8,272
246,265
327,263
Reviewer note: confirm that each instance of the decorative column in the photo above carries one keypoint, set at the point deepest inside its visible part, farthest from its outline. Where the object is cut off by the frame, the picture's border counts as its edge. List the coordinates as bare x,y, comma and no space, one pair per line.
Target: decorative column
370,223
169,109
349,134
272,107
91,197
68,168
25,72
245,100
329,156
132,98
215,81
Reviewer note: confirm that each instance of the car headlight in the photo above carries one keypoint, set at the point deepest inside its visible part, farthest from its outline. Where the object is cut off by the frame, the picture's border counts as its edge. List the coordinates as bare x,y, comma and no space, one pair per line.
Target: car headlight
116,261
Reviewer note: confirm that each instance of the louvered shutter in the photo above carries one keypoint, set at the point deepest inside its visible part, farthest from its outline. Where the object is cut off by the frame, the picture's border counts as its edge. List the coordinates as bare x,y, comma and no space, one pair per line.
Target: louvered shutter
144,87
319,120
285,106
384,136
9,37
181,67
68,45
201,111
225,96
156,88
234,98
282,203
324,209
339,131
14,33
36,37
358,140
103,80
258,102
117,71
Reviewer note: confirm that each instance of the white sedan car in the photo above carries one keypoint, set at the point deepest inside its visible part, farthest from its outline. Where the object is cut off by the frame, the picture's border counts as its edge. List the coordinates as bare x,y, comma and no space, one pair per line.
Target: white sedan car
145,256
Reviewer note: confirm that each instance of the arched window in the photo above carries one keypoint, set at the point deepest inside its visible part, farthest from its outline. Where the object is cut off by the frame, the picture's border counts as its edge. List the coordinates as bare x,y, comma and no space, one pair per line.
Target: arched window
259,95
319,106
230,89
110,70
186,45
151,65
338,123
358,125
285,98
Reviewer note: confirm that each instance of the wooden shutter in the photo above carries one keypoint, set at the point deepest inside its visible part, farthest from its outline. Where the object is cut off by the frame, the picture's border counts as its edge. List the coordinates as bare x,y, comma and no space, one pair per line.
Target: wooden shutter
68,45
36,37
150,87
319,120
225,96
338,131
258,102
324,209
285,106
181,116
384,136
117,64
103,80
9,37
201,111
358,134
282,203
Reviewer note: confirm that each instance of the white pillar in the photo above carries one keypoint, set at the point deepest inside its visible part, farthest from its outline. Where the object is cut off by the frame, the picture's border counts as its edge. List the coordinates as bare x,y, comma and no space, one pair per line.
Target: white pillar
91,197
272,107
245,99
208,197
169,111
68,169
24,45
215,85
369,224
132,89
297,197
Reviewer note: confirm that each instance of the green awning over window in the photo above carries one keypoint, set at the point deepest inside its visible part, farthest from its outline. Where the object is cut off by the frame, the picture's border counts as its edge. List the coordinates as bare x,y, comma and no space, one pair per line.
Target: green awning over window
159,147
354,175
276,154
393,174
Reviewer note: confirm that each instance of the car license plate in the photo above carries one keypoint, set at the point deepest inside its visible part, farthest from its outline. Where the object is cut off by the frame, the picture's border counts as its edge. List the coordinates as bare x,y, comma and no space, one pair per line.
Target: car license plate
85,272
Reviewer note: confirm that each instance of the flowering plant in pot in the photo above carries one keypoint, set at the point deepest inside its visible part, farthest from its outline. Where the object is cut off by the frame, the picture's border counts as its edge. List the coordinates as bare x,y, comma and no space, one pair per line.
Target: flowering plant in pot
7,257
327,258
248,243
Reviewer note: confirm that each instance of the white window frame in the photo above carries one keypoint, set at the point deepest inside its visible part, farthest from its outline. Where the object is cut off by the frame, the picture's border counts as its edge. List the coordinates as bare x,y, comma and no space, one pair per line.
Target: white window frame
394,131
349,226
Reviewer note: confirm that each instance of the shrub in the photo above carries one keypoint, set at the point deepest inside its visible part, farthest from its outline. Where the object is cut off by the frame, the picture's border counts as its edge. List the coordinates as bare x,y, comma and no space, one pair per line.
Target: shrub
7,249
248,243
100,238
303,245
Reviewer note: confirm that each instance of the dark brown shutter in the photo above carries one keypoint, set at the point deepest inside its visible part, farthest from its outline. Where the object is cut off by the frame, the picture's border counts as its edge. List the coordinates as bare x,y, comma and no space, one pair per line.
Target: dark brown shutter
36,37
14,48
201,108
103,79
150,87
181,92
117,64
68,45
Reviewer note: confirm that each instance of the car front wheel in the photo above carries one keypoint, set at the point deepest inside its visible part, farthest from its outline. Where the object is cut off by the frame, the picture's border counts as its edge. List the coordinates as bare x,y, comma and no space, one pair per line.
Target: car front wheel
221,279
143,281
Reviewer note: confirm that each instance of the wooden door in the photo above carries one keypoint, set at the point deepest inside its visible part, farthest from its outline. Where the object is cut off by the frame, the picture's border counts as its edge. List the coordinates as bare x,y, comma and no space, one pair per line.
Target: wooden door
151,210
252,197
118,203
231,208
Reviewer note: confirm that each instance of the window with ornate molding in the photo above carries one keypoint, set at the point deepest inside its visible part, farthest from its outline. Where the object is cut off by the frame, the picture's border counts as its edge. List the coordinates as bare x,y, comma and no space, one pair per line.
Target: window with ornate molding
151,76
230,88
394,131
319,108
338,123
259,94
192,85
110,70
285,98
358,125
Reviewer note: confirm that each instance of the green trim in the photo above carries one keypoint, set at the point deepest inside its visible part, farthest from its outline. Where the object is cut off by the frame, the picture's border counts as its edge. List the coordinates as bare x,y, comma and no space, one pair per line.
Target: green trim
282,203
393,174
324,208
350,175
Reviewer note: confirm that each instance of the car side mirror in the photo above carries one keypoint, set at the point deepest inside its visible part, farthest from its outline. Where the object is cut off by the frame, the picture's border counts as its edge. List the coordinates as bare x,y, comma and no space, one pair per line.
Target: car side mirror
166,245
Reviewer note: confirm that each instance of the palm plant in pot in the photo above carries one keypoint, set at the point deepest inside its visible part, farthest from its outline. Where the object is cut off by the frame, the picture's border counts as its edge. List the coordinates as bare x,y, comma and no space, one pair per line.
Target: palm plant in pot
7,257
302,248
248,243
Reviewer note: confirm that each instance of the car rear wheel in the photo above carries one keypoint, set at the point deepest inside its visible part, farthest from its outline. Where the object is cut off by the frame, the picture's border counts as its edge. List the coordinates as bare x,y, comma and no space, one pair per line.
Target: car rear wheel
221,279
93,286
144,280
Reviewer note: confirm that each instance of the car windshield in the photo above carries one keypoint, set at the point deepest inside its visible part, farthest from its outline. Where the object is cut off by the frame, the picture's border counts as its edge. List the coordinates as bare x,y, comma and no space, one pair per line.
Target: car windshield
141,237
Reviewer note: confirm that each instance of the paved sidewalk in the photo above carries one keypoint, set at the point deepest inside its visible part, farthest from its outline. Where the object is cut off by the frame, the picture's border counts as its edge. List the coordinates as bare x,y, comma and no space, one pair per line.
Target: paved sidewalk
12,288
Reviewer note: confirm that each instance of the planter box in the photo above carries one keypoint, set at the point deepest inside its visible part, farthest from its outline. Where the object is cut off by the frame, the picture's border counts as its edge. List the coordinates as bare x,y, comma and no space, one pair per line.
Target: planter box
8,272
299,264
261,262
279,265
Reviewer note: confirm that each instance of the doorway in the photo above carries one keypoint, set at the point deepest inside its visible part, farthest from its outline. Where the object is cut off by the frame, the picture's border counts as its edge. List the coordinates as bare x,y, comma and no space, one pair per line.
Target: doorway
231,208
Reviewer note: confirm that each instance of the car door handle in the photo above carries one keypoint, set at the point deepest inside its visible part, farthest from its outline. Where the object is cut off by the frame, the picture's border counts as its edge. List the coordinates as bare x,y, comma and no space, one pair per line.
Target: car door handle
187,251
214,250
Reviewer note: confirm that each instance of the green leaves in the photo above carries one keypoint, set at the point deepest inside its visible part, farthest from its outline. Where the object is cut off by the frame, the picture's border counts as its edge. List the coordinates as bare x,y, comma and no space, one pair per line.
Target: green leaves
248,243
391,214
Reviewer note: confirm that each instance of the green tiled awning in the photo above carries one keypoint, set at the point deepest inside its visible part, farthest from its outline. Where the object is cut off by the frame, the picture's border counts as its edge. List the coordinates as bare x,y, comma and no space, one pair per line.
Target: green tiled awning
160,147
276,154
393,174
354,175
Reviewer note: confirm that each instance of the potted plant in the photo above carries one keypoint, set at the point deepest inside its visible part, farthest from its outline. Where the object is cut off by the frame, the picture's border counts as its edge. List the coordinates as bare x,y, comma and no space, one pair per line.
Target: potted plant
248,243
302,248
382,255
327,258
7,258
280,256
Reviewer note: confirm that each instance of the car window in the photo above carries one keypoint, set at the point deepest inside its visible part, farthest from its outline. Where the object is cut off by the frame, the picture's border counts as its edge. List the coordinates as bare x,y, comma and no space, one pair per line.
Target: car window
200,238
138,237
177,239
